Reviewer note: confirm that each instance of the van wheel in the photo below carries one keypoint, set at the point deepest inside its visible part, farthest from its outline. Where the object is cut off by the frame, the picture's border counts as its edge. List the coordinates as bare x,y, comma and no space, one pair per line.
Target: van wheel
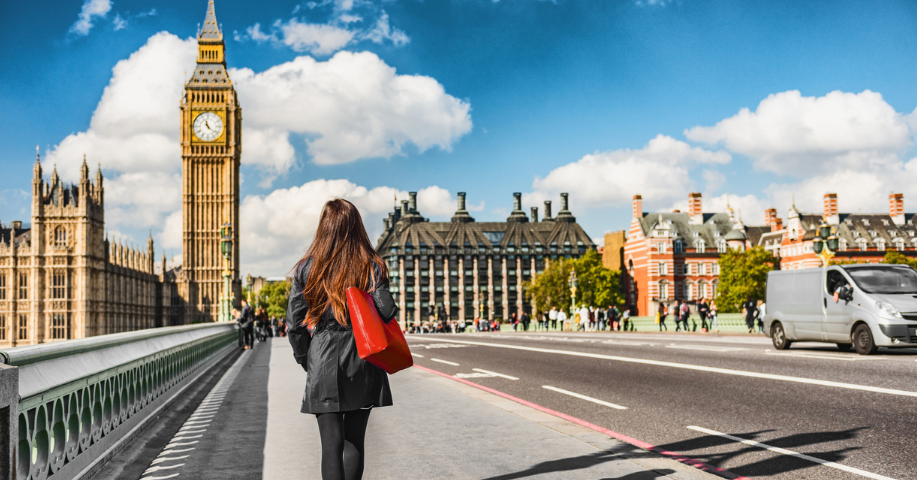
844,347
778,336
863,342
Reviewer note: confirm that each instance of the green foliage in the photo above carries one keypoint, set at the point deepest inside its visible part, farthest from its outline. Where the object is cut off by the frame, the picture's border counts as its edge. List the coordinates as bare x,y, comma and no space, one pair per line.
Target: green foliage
273,298
844,261
597,285
896,257
742,275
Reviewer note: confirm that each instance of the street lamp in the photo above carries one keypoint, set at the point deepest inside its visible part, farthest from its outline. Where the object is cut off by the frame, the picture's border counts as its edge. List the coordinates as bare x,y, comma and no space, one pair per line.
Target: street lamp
226,299
572,282
825,243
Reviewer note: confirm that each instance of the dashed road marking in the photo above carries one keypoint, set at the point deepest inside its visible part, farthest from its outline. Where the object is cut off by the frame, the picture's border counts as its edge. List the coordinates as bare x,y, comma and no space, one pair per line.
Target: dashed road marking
791,453
706,348
826,356
701,368
445,361
417,354
584,397
494,373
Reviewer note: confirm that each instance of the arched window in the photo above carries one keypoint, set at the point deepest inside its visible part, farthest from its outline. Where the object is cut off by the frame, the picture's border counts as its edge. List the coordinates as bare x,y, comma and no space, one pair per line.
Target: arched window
60,237
663,290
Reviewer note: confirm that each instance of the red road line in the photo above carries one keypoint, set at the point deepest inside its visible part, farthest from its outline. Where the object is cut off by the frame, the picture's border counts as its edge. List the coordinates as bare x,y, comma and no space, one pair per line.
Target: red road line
624,438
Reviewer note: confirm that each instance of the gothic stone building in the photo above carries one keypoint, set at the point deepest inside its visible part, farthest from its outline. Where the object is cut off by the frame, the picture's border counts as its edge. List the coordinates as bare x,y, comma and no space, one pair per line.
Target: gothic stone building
60,278
211,146
464,269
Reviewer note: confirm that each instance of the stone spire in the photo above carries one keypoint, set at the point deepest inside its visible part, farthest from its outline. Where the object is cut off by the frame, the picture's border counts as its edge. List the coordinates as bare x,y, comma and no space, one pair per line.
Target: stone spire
36,170
84,171
211,29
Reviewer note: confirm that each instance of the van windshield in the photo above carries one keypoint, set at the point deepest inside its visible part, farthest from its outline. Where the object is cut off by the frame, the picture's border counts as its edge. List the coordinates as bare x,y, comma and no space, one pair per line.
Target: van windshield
884,280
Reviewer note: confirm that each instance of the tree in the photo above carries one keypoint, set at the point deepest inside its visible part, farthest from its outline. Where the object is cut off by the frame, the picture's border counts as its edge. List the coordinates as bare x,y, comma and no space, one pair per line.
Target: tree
597,285
273,298
742,275
898,258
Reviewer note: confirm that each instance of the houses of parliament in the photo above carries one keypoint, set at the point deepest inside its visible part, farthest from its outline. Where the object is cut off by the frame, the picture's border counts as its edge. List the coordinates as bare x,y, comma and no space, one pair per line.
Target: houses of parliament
62,278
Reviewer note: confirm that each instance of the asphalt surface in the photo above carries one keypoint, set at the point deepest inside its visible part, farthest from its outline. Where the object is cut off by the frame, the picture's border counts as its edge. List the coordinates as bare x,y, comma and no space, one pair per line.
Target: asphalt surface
813,400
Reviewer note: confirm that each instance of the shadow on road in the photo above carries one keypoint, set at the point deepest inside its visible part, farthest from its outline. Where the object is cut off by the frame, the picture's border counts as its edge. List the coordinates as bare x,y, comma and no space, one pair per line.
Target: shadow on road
582,462
771,466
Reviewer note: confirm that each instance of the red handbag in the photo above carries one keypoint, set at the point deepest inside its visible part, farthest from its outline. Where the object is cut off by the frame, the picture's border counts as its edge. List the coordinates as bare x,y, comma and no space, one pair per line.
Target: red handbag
379,343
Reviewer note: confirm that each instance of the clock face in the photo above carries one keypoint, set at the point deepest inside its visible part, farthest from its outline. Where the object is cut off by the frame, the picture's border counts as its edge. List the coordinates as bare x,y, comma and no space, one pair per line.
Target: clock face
208,126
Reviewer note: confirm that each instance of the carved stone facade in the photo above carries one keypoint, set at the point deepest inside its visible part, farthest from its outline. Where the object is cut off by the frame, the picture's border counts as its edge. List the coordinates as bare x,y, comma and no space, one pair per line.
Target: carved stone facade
211,143
61,278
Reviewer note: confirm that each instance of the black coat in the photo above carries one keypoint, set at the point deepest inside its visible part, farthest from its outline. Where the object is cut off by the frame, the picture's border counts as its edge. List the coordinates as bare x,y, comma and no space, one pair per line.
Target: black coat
337,379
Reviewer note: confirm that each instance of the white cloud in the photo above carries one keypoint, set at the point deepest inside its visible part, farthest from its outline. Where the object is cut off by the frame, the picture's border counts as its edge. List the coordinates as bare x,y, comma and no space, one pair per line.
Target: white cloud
91,10
119,22
353,106
659,171
271,243
271,150
794,135
345,23
714,180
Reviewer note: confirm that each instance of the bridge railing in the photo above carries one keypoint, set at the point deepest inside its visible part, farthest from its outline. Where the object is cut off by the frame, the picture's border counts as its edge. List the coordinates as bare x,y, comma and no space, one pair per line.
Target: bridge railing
66,407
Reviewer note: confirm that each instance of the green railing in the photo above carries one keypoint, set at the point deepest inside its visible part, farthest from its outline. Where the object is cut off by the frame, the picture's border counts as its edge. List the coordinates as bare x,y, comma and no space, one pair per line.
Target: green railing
78,400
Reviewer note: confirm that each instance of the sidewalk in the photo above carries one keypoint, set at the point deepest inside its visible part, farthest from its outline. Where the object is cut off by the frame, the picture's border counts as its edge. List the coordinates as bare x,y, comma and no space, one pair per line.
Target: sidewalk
440,428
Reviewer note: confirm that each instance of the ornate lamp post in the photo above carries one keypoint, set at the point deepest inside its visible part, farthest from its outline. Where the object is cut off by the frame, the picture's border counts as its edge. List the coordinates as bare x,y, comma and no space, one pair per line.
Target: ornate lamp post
825,243
572,282
227,298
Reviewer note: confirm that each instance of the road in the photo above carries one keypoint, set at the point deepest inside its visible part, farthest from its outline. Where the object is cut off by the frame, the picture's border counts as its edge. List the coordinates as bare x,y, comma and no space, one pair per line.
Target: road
841,414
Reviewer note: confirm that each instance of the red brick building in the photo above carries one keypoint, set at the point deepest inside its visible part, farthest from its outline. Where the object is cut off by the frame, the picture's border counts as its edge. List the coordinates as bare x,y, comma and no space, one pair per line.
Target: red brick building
863,237
675,255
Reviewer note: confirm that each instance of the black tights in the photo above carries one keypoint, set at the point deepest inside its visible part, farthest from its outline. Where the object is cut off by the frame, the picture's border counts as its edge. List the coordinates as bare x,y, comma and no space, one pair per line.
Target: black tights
342,444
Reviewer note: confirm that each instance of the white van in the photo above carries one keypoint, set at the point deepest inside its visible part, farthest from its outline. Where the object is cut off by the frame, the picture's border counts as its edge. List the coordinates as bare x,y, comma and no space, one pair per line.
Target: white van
865,306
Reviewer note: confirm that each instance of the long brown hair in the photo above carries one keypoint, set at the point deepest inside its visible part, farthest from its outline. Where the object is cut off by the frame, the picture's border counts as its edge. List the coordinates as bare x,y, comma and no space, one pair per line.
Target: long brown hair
342,256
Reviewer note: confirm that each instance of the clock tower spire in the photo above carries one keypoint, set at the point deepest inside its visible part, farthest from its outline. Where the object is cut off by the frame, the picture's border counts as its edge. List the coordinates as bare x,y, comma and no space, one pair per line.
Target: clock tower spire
211,144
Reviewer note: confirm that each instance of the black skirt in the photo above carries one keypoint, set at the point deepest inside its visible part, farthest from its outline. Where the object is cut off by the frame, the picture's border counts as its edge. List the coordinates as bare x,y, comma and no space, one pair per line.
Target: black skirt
338,379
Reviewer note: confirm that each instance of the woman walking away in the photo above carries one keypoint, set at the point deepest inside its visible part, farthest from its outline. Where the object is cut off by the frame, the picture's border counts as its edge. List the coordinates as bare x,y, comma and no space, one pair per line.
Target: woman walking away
713,324
662,314
341,389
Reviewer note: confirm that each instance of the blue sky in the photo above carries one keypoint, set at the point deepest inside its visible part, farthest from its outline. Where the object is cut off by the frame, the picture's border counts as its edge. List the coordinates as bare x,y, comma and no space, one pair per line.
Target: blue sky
602,99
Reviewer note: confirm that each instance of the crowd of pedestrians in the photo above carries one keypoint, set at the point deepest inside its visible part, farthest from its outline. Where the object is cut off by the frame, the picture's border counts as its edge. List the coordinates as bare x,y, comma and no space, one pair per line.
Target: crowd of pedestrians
256,325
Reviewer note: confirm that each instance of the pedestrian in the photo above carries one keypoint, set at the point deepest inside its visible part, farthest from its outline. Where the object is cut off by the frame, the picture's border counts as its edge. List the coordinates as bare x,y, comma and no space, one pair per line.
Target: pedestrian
702,310
262,325
600,318
341,389
662,314
525,321
625,319
761,311
677,313
713,312
246,326
515,322
552,315
613,318
561,319
685,315
749,310
583,318
592,319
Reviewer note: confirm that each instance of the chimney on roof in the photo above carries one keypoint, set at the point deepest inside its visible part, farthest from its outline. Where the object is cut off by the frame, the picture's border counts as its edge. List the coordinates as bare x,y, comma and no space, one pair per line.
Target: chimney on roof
461,215
771,220
517,215
695,208
534,214
896,208
547,211
638,206
404,208
831,216
413,205
385,224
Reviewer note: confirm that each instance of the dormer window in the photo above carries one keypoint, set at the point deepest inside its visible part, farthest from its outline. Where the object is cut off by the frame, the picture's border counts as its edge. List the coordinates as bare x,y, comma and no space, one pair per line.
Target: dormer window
679,246
716,233
899,244
885,222
700,246
842,245
893,233
865,221
696,234
848,221
880,245
861,243
721,246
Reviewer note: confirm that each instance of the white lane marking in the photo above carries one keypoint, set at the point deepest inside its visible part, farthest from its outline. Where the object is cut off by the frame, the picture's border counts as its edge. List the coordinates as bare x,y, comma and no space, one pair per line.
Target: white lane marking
161,467
625,342
181,444
417,354
161,459
161,478
684,366
445,361
705,348
186,437
180,450
583,397
791,453
494,373
827,356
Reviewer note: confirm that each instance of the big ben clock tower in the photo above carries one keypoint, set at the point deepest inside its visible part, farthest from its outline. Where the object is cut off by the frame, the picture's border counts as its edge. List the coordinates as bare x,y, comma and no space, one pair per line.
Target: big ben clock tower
211,143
